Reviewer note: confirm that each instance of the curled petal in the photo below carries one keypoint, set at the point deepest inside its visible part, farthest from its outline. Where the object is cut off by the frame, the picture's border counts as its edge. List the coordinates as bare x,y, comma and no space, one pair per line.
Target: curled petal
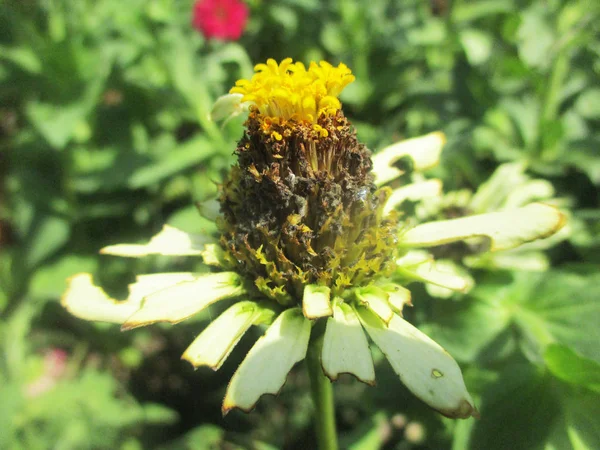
424,151
180,301
268,362
413,192
424,367
503,230
89,302
170,241
345,346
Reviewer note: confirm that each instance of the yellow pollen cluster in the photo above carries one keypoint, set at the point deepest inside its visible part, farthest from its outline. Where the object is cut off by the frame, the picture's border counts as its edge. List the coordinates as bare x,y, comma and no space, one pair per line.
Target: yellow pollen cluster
289,91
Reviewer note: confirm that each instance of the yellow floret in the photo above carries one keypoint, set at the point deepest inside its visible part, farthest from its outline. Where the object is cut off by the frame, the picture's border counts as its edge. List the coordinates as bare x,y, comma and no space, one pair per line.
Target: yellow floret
288,91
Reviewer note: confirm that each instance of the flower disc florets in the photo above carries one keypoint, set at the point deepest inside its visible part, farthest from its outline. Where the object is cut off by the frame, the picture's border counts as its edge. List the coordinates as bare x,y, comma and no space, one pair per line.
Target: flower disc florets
300,207
288,91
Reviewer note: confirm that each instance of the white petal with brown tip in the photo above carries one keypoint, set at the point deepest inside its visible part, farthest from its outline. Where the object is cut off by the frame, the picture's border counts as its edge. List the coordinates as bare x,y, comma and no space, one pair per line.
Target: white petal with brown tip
424,367
268,362
504,229
345,346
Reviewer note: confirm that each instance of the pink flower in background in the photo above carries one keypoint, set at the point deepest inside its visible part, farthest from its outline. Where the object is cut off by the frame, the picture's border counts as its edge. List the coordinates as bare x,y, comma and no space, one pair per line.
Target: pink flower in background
55,366
223,19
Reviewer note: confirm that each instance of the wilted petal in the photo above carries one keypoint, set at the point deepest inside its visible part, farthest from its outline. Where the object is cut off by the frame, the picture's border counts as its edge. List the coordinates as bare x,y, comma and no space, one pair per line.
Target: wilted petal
85,300
424,367
268,362
345,346
170,241
413,192
424,151
316,302
212,347
180,301
505,229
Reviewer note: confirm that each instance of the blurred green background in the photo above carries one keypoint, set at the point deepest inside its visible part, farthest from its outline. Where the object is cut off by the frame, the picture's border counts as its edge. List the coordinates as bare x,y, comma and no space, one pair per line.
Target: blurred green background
105,136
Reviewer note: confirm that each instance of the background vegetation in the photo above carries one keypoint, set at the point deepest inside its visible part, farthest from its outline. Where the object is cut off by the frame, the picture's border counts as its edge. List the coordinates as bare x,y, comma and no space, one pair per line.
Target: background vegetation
104,136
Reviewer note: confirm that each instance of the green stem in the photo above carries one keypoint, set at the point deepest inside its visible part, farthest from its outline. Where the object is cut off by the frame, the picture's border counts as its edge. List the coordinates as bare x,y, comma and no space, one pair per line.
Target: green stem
322,395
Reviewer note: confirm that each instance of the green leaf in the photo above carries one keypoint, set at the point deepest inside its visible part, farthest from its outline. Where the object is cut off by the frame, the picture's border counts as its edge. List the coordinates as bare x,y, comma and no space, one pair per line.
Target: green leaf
571,367
46,236
517,411
468,327
50,280
588,104
558,307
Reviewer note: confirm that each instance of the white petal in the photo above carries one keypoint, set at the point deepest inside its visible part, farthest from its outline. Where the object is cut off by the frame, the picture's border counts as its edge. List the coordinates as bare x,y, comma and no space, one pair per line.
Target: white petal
492,194
268,362
212,347
180,301
505,229
424,151
213,255
85,300
534,261
531,191
399,296
170,241
209,209
316,302
418,265
413,192
227,107
376,299
147,284
345,346
424,367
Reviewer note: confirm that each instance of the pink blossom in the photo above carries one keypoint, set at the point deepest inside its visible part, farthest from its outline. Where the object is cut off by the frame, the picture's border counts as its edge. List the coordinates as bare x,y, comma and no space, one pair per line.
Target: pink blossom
222,19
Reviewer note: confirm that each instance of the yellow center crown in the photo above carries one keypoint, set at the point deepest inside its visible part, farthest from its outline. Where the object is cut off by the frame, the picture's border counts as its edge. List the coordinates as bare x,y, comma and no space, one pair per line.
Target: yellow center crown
288,91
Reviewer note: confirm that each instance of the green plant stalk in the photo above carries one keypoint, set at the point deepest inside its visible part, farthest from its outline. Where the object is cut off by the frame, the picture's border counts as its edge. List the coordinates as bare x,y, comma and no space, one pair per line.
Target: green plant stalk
322,395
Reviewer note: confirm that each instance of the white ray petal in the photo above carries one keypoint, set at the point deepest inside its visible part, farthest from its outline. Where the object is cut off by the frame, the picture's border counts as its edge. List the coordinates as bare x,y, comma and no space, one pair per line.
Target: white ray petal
212,347
265,368
345,346
424,367
170,241
423,150
180,301
504,229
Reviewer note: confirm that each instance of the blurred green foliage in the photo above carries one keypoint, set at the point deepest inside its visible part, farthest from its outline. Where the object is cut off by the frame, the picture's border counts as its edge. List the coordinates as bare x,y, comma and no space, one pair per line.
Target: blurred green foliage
104,136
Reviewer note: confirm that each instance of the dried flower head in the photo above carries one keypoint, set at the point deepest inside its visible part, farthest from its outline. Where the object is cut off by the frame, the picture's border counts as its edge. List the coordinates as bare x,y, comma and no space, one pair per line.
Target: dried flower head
310,246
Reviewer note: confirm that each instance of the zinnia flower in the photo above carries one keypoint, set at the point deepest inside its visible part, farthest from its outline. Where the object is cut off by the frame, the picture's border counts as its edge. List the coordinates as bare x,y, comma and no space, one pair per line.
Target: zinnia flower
309,248
222,19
